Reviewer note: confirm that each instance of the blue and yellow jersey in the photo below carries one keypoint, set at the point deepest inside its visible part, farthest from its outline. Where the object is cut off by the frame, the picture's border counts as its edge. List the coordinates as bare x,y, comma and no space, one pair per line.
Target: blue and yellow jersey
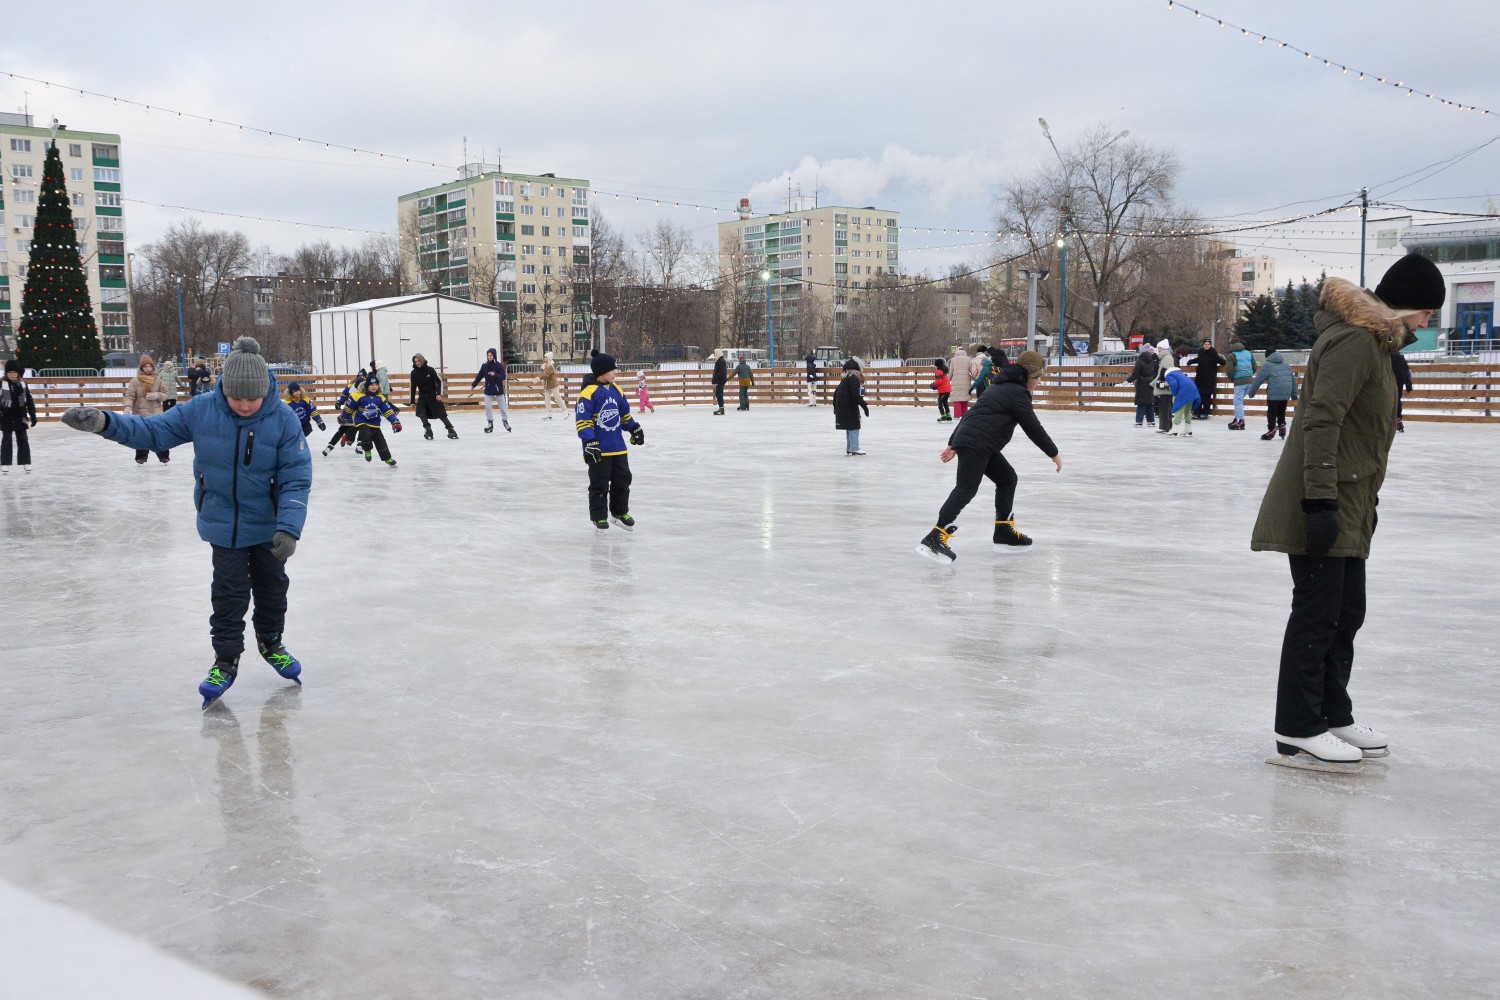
366,409
304,409
603,415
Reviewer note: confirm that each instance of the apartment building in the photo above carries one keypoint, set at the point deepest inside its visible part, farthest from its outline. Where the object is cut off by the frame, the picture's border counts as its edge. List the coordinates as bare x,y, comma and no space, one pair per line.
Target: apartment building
91,169
518,241
814,257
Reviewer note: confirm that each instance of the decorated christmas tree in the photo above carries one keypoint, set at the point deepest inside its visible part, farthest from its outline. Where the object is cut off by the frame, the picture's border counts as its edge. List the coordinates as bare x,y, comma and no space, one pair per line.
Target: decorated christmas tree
57,320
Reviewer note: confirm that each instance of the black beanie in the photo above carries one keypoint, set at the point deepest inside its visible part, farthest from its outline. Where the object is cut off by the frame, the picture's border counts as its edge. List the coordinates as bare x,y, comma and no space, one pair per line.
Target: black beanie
601,363
13,366
851,365
1413,282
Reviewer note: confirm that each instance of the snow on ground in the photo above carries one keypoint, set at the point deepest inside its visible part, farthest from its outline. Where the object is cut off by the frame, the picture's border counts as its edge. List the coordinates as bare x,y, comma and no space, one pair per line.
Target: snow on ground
757,748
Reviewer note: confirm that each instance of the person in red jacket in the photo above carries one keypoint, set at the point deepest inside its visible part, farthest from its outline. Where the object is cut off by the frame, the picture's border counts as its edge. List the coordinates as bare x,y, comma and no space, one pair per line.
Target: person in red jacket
944,385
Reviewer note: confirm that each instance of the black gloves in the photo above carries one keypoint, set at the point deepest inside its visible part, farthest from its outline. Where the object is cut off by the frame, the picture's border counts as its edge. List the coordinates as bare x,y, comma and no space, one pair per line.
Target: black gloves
638,436
1322,526
591,453
283,545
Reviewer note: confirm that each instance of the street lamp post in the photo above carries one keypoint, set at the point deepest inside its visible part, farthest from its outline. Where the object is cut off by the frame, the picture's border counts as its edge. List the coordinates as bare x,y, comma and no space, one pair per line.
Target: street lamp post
181,328
770,323
602,317
1032,277
1102,306
1062,293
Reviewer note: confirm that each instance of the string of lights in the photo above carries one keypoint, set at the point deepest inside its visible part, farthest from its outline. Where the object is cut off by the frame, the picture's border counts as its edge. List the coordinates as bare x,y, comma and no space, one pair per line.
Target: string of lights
1260,38
213,122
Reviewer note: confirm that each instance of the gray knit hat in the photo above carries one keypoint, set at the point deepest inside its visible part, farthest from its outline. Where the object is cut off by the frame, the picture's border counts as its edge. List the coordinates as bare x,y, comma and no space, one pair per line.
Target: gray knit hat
245,374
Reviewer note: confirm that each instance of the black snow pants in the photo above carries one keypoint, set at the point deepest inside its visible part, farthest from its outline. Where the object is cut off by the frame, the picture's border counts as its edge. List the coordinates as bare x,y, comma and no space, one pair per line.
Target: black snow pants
373,435
974,464
240,574
609,487
1317,652
23,446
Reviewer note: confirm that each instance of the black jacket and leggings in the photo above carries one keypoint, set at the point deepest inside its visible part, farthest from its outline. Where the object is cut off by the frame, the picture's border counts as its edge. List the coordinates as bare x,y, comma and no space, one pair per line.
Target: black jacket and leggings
981,436
720,376
426,387
17,412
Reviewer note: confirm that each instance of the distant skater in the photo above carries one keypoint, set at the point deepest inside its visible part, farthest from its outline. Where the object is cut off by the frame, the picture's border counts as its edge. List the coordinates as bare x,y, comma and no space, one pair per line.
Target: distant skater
364,411
977,443
1281,388
304,409
427,396
17,415
492,373
603,420
720,377
746,378
643,392
848,402
551,386
942,385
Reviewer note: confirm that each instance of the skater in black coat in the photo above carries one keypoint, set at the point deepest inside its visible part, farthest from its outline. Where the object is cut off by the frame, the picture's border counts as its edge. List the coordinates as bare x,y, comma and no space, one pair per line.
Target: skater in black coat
17,414
1206,377
720,377
977,443
427,396
1141,376
848,401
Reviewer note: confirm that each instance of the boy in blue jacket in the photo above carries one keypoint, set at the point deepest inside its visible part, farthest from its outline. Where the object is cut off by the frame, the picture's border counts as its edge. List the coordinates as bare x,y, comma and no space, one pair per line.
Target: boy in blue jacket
1185,396
362,414
492,374
603,417
252,475
304,409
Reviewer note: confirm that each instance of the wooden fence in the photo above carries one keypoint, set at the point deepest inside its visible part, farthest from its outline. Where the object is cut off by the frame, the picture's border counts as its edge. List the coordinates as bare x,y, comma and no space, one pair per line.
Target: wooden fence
1442,392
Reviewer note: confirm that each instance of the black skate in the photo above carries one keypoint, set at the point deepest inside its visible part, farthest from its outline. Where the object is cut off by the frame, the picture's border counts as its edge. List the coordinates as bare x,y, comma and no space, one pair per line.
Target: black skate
489,427
427,434
452,434
601,525
623,520
1007,537
935,545
220,676
506,424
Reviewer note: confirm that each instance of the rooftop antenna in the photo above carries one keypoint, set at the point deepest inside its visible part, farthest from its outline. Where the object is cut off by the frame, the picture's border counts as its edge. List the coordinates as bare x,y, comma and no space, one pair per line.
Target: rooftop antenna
817,184
465,170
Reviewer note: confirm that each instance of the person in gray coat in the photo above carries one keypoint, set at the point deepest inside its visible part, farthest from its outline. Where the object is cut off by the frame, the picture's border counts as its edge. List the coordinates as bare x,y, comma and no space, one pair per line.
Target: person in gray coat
1281,388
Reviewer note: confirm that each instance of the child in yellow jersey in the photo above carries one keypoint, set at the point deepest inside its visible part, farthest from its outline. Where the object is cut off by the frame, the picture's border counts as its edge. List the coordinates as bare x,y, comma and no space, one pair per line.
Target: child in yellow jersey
602,418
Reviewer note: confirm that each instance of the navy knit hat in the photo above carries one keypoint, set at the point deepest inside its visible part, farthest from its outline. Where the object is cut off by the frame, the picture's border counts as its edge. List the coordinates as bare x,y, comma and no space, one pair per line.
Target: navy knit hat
1413,283
601,363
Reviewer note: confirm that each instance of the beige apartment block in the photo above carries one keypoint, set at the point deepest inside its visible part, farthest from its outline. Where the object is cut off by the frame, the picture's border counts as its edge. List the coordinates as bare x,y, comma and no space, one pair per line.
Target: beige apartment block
517,241
812,257
91,171
1252,277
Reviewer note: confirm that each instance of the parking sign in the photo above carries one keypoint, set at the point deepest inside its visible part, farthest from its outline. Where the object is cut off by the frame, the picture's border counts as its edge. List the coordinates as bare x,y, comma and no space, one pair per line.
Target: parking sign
223,347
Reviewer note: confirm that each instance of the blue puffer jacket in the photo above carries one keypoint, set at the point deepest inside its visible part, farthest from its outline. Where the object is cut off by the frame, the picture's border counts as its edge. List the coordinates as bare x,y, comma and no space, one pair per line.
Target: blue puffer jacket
253,474
1278,378
1184,392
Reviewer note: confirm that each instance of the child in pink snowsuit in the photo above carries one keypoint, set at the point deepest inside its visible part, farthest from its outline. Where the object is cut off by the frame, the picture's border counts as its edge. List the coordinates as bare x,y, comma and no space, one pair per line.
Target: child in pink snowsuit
640,392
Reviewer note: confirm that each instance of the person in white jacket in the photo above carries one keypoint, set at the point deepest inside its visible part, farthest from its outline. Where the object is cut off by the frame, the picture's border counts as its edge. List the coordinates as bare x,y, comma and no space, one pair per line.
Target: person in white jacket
961,374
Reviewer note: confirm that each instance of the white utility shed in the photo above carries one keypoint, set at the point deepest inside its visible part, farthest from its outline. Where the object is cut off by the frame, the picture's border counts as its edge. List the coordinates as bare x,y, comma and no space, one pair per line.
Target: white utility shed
452,334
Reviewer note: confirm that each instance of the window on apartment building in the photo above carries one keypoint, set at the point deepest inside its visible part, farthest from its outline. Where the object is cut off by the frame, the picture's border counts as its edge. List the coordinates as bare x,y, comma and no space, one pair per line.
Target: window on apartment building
77,197
506,286
528,230
527,209
20,145
75,173
107,199
546,250
104,151
425,202
505,188
525,190
545,192
546,209
528,249
19,170
580,232
528,269
580,212
75,149
111,272
546,230
506,205
580,196
529,288
107,175
26,221
113,295
111,224
23,197
546,268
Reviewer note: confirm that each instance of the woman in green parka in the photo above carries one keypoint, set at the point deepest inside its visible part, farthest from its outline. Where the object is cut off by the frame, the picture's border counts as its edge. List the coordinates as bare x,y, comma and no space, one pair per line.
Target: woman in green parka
1319,508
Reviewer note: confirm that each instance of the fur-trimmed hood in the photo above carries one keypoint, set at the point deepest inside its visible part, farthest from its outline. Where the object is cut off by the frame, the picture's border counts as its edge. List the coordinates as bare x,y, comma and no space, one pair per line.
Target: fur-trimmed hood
1348,303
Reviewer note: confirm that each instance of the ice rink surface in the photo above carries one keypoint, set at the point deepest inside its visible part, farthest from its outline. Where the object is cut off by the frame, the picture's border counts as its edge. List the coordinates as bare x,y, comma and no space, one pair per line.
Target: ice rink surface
757,748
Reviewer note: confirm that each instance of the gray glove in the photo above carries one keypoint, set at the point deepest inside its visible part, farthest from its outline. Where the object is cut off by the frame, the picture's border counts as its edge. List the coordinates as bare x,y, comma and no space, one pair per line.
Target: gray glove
283,545
86,418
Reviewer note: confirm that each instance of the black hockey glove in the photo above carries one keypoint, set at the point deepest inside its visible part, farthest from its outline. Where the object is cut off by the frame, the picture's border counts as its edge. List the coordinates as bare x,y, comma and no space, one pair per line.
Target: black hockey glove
591,453
1322,526
638,436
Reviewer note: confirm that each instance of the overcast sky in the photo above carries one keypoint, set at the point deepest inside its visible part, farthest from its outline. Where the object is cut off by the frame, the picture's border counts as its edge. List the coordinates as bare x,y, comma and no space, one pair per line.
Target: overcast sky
926,108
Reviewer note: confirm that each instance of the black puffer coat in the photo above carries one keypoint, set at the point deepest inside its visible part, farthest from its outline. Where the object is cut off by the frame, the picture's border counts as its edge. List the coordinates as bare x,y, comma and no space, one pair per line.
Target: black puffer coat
848,400
1142,375
1006,404
426,387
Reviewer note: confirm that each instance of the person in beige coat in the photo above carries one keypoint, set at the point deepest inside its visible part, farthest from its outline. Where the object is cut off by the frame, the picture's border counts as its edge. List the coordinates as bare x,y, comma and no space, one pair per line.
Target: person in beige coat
143,398
552,385
961,377
1320,506
168,383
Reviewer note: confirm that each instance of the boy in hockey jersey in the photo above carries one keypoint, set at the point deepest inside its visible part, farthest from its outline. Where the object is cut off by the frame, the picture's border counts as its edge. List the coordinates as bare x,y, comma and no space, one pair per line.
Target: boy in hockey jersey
364,412
344,433
603,417
307,413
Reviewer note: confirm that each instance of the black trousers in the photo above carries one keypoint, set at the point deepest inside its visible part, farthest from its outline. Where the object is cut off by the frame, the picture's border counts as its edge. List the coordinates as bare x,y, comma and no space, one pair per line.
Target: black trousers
343,431
1275,413
240,574
167,404
719,394
942,404
974,464
374,435
141,453
22,446
431,409
1205,405
1164,412
1317,652
609,486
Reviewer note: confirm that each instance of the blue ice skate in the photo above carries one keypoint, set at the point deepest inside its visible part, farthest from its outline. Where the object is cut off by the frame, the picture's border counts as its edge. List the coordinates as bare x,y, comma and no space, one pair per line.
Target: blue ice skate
274,653
220,676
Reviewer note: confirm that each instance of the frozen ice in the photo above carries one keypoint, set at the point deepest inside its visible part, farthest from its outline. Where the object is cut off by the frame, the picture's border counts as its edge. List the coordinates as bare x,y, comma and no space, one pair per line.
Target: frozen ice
758,747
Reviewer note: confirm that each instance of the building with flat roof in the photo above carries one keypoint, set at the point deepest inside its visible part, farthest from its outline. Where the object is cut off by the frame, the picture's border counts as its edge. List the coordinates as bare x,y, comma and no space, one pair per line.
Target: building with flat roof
91,169
517,241
812,258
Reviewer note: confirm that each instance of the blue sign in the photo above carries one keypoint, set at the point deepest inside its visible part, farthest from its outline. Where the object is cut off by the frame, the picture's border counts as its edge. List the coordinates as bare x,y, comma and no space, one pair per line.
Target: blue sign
223,347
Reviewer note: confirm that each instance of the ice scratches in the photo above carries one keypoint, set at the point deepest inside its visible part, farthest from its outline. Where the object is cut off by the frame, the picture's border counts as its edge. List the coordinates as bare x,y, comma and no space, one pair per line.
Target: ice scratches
507,866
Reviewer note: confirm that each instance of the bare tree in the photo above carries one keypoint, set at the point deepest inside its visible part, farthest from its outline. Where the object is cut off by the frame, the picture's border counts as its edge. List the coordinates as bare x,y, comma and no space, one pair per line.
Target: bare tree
208,262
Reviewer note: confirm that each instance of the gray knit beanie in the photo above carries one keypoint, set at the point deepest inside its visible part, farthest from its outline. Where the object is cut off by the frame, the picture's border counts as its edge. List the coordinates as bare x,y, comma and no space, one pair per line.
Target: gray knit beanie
245,374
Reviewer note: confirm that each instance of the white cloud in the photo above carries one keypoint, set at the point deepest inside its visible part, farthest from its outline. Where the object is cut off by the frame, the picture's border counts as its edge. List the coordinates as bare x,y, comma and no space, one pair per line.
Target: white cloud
968,177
